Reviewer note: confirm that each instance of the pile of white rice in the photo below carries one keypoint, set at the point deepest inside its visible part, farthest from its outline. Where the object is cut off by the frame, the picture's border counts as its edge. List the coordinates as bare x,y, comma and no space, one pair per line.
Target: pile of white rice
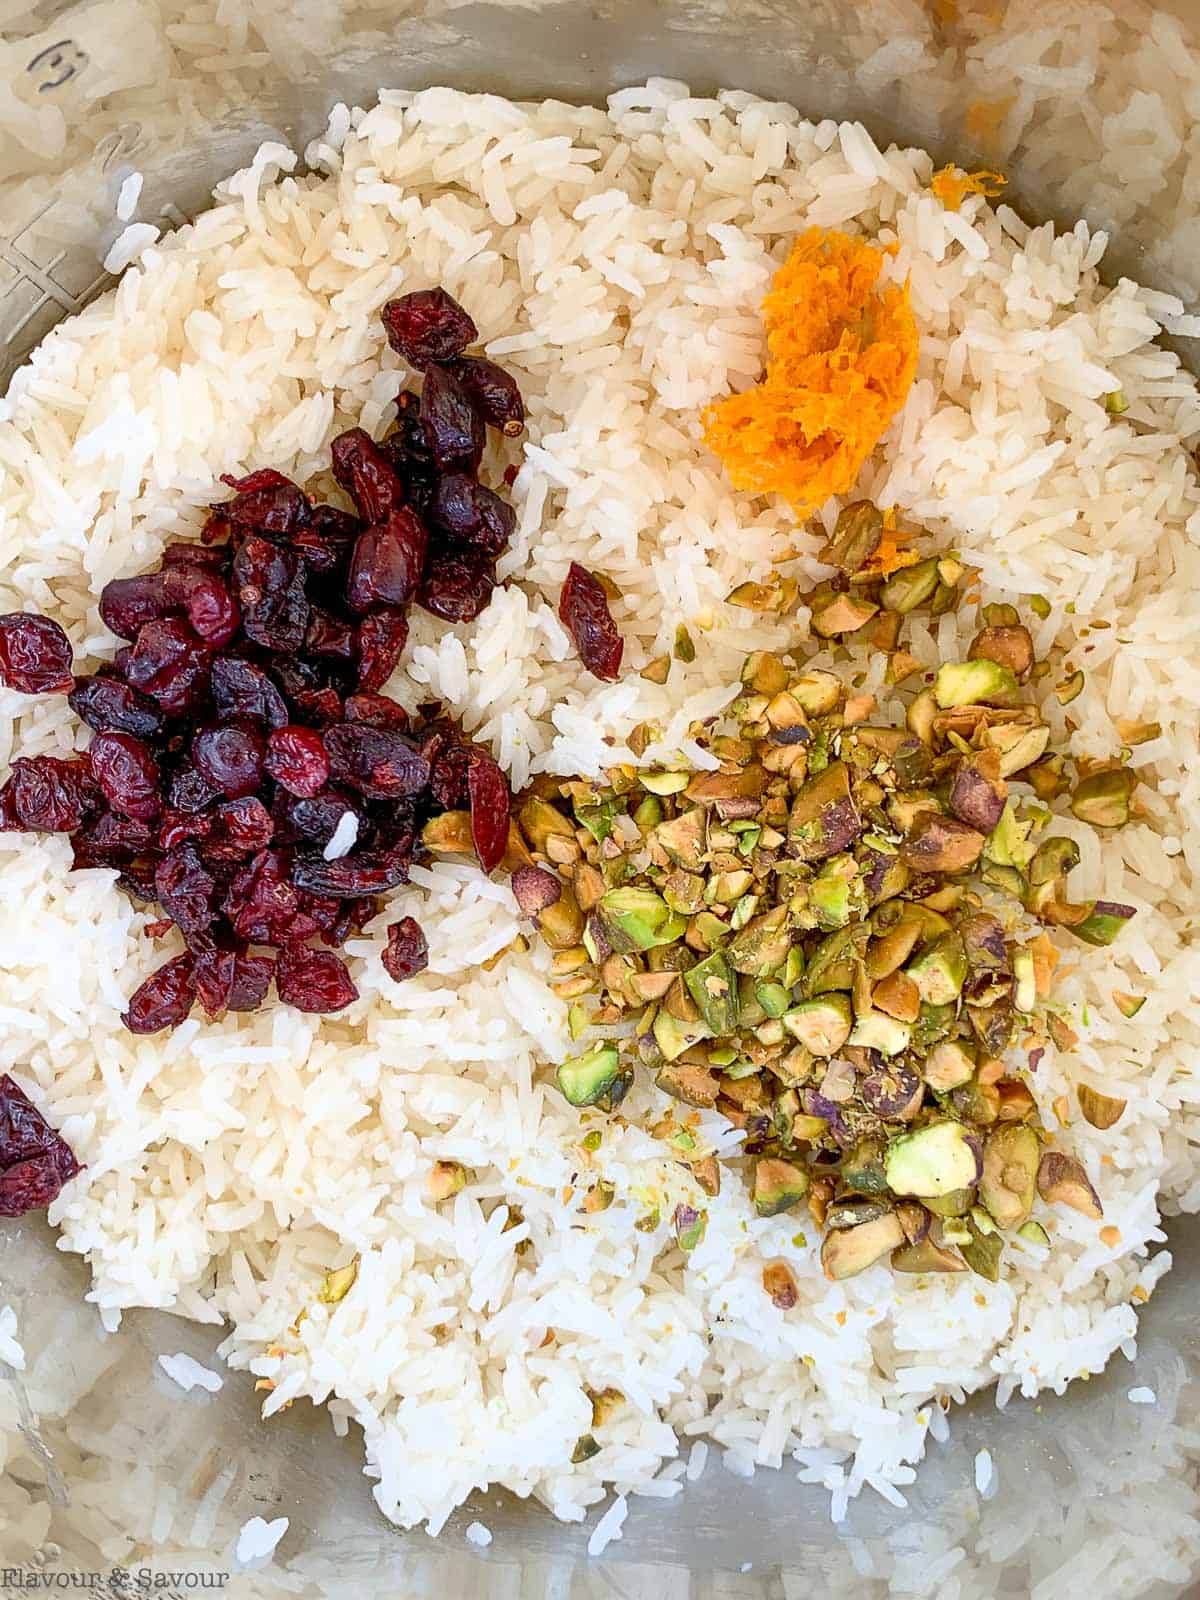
615,261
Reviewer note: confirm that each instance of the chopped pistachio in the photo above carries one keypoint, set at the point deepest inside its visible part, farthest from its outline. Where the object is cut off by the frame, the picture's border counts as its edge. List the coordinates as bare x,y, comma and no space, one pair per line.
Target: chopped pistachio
778,1186
657,670
446,1178
847,1251
1069,689
780,1285
1101,1110
982,1251
1104,798
934,1161
336,1284
1061,1179
1102,923
587,1078
1034,1233
599,1197
1115,403
841,614
925,1256
877,1031
905,590
1009,645
1008,1184
968,683
1128,1004
822,1024
585,1448
639,919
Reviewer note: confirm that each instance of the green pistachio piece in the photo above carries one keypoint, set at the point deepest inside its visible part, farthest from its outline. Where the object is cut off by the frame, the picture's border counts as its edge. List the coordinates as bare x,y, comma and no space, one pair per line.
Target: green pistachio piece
763,946
673,1037
694,1085
822,1024
817,693
1035,1233
1103,798
905,590
710,984
1008,1185
969,683
639,919
1061,1180
824,819
948,1066
933,1161
877,1031
778,1186
1025,980
982,1251
1102,923
587,1078
684,838
925,1256
862,1170
847,1251
940,971
661,782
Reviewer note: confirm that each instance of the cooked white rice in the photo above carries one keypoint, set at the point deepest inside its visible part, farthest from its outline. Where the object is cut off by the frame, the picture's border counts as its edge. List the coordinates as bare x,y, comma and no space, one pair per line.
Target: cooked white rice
615,260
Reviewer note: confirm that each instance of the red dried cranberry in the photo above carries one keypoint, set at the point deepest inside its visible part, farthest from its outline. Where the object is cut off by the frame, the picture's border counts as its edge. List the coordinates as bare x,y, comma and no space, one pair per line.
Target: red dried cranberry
242,691
127,773
370,873
409,454
262,904
25,1135
110,706
315,821
407,951
177,827
387,561
169,663
164,1000
428,325
583,607
187,553
210,607
212,972
265,499
190,791
231,758
186,890
35,654
251,979
328,635
366,475
381,640
376,710
296,758
464,510
376,761
313,980
269,583
239,828
448,772
111,840
457,583
128,604
492,391
487,788
319,708
29,1185
48,795
454,430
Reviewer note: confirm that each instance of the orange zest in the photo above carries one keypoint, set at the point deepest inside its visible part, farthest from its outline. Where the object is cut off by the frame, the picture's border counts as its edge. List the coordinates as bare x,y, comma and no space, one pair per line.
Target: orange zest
952,185
841,357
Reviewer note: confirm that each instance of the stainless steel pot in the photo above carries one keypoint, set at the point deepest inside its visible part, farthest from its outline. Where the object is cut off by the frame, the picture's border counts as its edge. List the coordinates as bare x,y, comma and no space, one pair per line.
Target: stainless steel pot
183,94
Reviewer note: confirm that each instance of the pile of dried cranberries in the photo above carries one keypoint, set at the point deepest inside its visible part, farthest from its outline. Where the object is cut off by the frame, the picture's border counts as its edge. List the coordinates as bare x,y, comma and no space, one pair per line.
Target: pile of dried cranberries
246,774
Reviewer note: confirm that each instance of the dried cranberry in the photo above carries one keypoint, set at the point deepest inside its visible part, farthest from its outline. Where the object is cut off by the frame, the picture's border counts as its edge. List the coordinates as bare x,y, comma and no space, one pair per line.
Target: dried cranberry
487,788
454,430
457,583
48,795
319,708
110,840
110,706
187,553
169,663
239,828
243,691
25,1134
370,873
251,979
165,998
407,951
127,773
376,710
465,510
428,325
313,980
35,654
230,758
492,391
381,640
177,827
366,475
137,881
29,1185
210,607
128,604
448,773
583,607
409,454
269,584
296,758
316,820
186,890
265,499
213,974
387,561
262,904
376,761
328,635
190,791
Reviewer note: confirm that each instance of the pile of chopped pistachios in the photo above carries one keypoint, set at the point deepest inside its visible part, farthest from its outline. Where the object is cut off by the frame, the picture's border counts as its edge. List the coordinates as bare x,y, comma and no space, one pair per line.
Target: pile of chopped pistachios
832,938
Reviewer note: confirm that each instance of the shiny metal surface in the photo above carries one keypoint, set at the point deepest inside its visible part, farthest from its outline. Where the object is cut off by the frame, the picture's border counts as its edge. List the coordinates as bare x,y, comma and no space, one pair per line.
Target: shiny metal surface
109,1420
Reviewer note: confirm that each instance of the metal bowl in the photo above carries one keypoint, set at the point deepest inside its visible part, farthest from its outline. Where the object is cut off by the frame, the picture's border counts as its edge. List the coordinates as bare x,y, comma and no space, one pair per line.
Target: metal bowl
101,89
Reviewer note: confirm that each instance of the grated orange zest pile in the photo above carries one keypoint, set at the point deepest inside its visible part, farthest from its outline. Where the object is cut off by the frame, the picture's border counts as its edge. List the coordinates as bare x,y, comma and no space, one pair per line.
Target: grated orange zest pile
952,185
841,357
